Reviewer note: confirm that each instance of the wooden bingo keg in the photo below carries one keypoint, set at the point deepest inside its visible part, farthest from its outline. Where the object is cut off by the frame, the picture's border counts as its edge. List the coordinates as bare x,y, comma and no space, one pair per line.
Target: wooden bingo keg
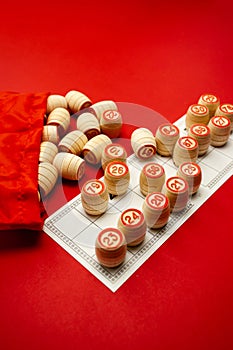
94,197
76,101
88,124
69,165
152,178
113,152
197,113
133,225
185,150
211,102
48,151
117,177
143,143
226,110
156,210
73,142
192,173
47,177
220,128
50,133
55,101
94,148
201,133
110,247
100,107
177,191
111,123
166,136
59,117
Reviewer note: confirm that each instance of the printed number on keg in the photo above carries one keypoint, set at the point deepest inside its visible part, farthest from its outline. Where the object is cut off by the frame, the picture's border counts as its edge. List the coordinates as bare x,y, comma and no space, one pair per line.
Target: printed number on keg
111,115
157,200
169,130
200,130
110,239
188,143
153,170
221,121
117,170
227,108
146,152
115,150
177,185
190,169
210,98
132,217
94,187
199,109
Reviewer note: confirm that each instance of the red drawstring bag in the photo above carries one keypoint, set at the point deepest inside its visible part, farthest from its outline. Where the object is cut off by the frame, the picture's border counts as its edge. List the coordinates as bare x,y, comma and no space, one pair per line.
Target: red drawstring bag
21,123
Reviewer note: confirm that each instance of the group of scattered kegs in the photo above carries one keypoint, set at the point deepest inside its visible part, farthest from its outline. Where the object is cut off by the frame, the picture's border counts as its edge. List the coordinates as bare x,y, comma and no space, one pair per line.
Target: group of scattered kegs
65,152
64,149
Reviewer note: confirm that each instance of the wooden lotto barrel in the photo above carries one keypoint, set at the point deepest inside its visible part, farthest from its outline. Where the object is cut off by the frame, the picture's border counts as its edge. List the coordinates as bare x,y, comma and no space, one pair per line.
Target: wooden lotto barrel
47,178
55,101
100,107
156,210
166,136
177,191
76,101
197,113
220,129
185,150
133,225
111,123
48,151
143,143
210,101
110,247
201,133
152,178
94,148
192,173
94,197
113,152
226,110
50,133
88,124
59,117
69,166
73,142
117,177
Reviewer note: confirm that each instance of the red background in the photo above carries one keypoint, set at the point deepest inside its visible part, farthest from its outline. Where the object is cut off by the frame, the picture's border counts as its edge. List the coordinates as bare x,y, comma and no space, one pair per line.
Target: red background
162,56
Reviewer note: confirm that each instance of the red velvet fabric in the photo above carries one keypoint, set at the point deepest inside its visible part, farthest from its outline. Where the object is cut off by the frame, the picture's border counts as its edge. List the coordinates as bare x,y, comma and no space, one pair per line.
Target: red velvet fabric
21,125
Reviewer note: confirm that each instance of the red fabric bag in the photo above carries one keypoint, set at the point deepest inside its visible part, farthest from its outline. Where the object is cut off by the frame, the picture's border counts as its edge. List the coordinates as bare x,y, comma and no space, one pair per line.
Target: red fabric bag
21,123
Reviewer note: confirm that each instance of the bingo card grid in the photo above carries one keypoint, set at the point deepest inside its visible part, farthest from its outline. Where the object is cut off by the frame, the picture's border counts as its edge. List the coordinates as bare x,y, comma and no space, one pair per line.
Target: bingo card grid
76,231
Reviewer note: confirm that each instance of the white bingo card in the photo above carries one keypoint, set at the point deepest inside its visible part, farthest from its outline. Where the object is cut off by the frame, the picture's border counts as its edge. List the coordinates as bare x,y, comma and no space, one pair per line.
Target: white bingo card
76,231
